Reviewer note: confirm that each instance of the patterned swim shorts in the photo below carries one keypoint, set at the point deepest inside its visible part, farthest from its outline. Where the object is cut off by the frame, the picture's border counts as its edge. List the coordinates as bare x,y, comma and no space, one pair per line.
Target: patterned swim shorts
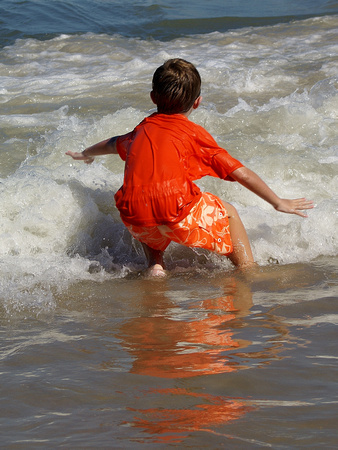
206,226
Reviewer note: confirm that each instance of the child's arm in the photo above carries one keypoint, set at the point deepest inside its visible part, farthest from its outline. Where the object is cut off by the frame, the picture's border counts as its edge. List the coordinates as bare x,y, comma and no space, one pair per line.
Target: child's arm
254,183
106,147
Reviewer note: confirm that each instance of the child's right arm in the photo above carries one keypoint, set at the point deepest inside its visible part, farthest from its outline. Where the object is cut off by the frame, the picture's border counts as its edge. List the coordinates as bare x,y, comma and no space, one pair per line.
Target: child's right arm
254,183
106,147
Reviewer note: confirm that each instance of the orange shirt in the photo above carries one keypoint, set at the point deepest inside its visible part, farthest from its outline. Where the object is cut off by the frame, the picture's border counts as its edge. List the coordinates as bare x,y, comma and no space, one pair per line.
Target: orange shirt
164,154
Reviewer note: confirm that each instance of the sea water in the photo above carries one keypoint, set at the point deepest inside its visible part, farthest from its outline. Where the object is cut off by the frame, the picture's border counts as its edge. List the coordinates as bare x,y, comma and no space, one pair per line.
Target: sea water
93,353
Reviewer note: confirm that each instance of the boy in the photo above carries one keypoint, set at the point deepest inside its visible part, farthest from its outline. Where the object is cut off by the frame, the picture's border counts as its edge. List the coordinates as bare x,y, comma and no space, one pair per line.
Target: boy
164,154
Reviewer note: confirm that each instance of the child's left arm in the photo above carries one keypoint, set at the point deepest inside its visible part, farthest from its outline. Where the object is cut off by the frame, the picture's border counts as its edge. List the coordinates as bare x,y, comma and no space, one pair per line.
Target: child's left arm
254,183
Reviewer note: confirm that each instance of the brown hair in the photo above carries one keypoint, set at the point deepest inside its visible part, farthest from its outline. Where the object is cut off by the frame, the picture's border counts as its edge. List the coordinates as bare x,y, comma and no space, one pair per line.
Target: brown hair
176,86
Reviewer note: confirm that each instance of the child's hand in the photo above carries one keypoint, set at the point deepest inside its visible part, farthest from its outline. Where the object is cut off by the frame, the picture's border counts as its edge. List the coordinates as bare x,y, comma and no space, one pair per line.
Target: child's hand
80,157
294,206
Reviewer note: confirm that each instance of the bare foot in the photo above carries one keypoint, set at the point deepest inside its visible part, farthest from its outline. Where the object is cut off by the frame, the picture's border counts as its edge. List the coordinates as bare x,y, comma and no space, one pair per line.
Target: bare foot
156,271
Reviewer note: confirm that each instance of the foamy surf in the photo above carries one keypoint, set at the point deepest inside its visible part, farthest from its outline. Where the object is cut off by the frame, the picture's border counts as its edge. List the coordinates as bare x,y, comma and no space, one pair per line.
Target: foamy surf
269,97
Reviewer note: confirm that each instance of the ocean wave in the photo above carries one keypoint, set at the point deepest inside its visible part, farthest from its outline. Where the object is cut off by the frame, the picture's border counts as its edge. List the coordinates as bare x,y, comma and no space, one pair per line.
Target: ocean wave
162,21
269,97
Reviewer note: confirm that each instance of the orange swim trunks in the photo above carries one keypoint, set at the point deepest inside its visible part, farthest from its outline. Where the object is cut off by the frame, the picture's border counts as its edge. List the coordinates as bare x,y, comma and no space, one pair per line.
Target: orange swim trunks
206,226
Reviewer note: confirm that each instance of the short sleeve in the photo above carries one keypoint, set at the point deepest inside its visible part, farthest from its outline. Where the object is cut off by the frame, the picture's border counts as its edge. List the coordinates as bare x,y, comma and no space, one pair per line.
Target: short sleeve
122,144
214,160
224,164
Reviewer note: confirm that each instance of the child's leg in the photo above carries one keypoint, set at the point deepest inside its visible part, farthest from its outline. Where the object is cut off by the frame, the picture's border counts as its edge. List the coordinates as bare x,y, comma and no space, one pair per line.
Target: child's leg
155,238
155,260
242,255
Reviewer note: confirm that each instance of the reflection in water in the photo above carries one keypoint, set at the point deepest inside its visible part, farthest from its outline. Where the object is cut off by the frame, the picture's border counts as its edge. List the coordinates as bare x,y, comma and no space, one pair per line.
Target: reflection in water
200,412
184,338
176,341
166,344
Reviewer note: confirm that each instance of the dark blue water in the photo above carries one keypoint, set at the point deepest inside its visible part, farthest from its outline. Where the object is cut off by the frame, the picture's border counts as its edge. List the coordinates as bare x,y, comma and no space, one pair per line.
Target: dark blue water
163,20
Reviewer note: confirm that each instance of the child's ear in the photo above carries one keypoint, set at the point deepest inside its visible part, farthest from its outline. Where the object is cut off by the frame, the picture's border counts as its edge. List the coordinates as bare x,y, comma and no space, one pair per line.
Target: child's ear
152,96
197,102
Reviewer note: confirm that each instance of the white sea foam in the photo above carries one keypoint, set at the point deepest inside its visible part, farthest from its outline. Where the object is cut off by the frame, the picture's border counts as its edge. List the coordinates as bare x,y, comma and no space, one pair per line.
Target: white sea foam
270,98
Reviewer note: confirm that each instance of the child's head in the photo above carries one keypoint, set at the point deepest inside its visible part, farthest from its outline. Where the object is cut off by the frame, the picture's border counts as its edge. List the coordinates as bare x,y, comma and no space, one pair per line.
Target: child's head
176,86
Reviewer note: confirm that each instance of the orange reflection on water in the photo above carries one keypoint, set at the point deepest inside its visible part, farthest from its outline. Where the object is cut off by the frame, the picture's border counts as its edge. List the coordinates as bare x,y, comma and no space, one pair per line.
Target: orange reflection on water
200,412
170,346
181,340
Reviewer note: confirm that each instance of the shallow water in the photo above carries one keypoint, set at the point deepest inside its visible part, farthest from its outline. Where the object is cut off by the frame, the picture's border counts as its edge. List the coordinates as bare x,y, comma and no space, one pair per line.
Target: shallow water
198,359
94,355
